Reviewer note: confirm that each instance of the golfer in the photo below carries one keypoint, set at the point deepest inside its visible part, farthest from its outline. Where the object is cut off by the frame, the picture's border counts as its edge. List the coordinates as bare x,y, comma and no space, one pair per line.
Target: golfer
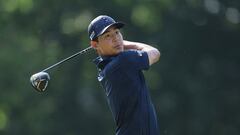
120,65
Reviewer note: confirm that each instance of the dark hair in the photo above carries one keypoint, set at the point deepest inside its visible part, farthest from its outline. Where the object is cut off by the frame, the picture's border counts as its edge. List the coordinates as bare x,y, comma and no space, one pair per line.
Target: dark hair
95,39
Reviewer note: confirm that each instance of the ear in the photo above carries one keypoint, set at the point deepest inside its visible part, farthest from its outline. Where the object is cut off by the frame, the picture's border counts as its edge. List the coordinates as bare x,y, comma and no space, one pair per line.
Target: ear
93,44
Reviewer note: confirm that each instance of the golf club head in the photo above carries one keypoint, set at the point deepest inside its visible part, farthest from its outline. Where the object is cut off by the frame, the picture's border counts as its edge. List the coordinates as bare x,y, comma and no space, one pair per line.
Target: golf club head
40,81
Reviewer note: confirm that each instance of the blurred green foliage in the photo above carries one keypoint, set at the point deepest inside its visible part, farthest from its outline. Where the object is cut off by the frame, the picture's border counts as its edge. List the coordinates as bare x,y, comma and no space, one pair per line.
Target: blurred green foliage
195,86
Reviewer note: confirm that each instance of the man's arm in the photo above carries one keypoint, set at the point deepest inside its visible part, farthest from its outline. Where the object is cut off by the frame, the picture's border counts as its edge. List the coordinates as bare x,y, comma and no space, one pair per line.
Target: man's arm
153,53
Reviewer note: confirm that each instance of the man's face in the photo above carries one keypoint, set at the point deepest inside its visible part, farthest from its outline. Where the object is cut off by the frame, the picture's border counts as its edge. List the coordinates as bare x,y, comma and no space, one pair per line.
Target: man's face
110,43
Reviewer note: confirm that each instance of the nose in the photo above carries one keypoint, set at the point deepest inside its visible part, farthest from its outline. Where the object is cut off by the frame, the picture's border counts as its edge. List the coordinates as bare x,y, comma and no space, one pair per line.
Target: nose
115,37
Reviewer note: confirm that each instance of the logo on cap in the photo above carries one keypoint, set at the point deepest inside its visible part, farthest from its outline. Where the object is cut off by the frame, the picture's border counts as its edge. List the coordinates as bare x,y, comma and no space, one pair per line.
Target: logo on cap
92,35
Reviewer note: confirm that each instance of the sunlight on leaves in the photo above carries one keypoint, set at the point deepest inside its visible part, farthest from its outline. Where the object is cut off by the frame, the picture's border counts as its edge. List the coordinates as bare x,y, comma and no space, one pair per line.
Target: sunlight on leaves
75,23
23,6
3,120
143,17
233,15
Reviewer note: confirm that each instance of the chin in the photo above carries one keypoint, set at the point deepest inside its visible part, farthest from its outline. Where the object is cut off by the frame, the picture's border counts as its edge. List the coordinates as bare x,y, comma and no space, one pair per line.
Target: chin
117,52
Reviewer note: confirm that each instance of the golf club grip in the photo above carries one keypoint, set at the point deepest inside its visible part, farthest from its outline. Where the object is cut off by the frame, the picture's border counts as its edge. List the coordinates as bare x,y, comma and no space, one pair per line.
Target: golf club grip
70,57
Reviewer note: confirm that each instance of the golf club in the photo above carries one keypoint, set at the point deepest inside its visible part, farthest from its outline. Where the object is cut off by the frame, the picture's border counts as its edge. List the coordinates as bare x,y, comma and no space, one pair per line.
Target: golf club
40,80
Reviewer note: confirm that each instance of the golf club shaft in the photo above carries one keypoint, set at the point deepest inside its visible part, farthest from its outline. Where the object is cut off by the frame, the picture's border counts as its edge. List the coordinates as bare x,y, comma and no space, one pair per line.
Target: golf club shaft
66,59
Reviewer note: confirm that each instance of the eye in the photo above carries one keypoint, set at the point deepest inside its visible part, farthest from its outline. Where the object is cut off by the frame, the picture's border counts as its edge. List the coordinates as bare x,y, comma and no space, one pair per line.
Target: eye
117,32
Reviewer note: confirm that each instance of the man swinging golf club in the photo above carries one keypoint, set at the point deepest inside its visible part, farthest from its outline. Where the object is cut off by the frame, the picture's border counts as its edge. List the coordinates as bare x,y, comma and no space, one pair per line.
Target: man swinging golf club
120,65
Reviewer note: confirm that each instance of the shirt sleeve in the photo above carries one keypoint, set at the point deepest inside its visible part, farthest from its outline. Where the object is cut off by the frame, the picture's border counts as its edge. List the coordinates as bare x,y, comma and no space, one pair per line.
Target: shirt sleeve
134,59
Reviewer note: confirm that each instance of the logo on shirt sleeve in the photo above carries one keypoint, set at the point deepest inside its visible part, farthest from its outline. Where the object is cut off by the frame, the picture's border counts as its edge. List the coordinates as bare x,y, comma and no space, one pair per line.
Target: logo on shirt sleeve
139,53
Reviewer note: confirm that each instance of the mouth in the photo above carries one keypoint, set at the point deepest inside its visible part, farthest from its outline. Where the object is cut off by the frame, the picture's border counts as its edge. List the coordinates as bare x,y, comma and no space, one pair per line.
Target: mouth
117,47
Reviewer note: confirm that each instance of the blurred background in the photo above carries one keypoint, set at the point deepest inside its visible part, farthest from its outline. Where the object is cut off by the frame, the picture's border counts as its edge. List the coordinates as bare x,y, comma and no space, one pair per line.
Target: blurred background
195,87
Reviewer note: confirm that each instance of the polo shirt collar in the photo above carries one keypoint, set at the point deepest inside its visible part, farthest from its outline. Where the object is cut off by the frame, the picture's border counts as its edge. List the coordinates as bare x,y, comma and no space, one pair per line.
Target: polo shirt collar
102,61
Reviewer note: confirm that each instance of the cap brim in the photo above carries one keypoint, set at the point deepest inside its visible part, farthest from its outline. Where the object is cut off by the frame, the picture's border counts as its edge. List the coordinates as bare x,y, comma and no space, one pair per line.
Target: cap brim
116,25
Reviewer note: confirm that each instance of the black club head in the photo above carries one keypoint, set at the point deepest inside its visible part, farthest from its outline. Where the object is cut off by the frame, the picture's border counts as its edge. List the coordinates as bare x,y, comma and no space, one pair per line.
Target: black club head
40,81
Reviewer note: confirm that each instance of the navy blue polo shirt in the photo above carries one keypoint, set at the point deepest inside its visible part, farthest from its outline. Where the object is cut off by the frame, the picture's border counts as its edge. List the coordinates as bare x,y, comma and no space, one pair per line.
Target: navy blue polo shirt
127,93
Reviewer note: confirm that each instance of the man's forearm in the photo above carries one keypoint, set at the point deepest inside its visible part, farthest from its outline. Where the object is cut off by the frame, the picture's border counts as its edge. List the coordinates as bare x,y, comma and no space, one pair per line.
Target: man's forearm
153,53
